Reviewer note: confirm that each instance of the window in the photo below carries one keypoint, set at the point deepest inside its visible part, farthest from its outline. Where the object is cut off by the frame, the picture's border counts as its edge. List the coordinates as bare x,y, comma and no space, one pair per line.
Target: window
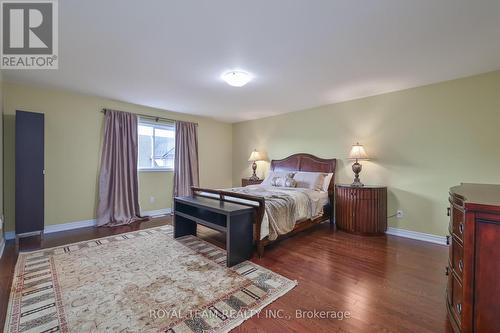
156,146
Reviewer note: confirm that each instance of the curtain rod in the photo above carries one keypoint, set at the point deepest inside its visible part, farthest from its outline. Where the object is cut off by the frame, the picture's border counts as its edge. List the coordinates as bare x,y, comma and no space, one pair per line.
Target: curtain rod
151,117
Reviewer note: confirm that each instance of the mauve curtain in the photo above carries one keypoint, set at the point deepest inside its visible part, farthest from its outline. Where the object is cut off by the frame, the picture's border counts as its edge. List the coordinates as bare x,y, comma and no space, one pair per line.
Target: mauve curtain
118,183
186,172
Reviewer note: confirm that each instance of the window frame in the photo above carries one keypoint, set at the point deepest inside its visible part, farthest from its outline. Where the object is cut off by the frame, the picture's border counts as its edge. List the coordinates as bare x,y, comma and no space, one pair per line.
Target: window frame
159,125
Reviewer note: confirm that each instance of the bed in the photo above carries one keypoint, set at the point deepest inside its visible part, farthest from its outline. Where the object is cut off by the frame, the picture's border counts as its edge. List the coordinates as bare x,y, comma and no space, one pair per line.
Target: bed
283,211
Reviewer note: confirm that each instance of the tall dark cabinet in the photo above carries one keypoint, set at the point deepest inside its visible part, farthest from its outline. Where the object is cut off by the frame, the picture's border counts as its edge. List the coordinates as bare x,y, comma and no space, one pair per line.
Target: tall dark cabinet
29,174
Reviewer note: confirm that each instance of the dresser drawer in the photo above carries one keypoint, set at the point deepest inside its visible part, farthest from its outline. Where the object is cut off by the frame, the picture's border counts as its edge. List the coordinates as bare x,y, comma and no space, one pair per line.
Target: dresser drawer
449,287
457,257
457,298
457,222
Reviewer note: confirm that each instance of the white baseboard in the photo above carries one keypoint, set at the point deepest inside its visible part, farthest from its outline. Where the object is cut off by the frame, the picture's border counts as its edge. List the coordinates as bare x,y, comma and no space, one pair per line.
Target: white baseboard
417,235
68,226
58,227
158,212
86,223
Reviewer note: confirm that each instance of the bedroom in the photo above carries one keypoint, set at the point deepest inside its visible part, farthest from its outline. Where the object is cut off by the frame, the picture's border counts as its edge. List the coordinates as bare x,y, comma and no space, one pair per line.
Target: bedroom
415,84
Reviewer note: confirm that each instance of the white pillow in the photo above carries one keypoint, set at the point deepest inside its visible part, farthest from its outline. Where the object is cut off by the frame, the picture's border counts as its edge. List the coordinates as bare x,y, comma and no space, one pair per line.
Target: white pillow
326,182
311,180
272,174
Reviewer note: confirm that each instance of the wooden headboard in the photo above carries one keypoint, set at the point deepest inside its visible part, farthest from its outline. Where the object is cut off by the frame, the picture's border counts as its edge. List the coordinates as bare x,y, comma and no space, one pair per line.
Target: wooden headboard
307,162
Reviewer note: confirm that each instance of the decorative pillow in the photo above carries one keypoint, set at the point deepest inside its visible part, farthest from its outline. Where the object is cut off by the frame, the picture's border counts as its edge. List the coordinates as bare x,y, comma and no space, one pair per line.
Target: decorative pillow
284,181
269,178
290,182
311,180
276,181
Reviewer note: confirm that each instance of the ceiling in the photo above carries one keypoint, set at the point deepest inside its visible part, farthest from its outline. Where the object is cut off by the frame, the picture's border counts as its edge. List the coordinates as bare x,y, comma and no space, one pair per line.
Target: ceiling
170,54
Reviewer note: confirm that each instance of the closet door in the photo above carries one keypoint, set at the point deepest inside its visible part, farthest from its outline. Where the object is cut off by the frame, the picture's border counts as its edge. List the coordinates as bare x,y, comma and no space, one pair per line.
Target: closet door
29,172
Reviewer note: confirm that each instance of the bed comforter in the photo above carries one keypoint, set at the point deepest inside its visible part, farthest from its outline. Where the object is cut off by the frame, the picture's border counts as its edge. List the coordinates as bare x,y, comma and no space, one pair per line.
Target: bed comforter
285,206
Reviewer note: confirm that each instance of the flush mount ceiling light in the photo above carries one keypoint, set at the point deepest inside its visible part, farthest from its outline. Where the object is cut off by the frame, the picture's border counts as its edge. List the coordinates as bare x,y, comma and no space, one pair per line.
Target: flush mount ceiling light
236,78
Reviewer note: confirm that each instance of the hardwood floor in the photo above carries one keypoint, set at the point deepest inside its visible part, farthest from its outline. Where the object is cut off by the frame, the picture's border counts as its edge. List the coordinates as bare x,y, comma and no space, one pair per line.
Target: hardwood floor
386,283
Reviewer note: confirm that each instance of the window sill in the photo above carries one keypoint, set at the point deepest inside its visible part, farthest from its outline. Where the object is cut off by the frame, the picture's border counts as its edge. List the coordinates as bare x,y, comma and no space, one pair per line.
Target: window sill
155,170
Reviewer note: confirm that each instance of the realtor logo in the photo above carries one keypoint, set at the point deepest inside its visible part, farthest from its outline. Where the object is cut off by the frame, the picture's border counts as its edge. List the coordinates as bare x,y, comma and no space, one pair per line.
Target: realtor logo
29,34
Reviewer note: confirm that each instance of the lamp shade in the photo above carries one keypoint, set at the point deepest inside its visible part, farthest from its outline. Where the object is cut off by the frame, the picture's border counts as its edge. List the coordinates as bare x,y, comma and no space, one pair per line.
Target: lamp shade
358,152
255,156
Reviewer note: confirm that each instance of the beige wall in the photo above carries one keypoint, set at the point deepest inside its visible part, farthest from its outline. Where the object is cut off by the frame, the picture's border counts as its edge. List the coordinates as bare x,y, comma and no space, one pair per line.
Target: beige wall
155,190
73,132
422,141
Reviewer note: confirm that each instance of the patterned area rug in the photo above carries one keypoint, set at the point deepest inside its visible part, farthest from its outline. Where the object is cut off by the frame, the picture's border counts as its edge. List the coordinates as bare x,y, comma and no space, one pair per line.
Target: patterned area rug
142,281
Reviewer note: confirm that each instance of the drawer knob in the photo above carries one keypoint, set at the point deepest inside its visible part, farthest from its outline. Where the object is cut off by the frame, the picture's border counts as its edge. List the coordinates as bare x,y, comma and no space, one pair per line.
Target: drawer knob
461,228
461,265
448,211
446,271
447,240
459,308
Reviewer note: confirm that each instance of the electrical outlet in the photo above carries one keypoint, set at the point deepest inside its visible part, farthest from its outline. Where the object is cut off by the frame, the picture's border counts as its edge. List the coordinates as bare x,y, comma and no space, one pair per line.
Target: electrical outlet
399,214
152,199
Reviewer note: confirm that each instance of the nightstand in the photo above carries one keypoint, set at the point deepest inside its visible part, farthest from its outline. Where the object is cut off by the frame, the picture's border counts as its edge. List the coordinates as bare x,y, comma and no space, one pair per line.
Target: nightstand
248,181
361,210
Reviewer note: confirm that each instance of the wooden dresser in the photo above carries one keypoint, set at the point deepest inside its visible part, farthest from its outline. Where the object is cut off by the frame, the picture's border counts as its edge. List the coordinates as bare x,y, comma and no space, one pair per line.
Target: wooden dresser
473,291
361,210
248,181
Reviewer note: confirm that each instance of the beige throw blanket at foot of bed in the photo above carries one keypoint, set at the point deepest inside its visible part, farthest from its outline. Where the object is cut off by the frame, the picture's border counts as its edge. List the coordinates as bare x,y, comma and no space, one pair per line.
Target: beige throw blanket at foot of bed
281,207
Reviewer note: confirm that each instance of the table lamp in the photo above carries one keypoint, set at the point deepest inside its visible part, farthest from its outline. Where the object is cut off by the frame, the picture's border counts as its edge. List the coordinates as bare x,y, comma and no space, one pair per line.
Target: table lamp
357,153
254,157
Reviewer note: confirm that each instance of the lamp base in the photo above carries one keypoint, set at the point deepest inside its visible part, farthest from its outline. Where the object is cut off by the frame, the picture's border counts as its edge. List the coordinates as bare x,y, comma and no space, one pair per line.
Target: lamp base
356,168
357,183
254,176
